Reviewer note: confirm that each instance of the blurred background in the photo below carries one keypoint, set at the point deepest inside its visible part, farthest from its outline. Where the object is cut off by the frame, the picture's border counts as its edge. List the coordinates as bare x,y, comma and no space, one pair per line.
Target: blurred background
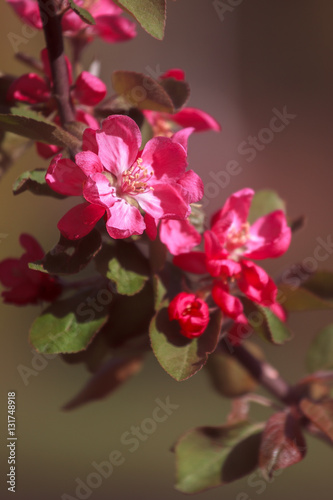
242,64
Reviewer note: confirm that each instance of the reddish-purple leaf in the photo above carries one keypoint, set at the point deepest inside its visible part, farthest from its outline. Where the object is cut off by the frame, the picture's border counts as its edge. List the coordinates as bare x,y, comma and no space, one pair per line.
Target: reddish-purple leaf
282,443
109,377
320,414
68,256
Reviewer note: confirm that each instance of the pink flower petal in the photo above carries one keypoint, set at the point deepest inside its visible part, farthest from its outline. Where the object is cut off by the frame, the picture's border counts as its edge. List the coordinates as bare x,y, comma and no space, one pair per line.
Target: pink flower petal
176,73
269,237
151,226
113,29
80,220
46,151
164,201
10,273
255,283
99,191
118,143
87,118
29,88
196,118
278,310
89,142
65,177
192,262
181,137
166,158
229,304
89,162
89,89
28,11
213,247
192,185
31,246
25,293
239,203
179,236
124,220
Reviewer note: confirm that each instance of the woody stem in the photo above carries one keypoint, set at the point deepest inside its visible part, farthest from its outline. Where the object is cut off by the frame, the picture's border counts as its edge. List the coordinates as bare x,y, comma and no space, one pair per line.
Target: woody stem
55,46
265,374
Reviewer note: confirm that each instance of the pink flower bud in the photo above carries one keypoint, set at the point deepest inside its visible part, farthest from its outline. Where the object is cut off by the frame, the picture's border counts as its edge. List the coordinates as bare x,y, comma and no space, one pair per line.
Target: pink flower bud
191,313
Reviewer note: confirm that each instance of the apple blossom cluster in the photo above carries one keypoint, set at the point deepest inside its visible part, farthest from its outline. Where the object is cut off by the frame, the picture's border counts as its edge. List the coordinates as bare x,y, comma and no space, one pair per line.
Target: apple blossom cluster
229,245
110,25
137,190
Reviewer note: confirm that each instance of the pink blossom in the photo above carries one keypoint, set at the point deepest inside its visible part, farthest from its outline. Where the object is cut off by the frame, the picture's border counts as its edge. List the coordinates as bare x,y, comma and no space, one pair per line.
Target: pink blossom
26,285
229,244
165,124
109,25
120,181
191,312
179,235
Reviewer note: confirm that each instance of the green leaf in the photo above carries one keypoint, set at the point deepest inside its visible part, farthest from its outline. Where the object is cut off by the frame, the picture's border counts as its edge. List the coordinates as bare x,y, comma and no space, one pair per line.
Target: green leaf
178,91
159,291
28,113
282,443
127,282
63,327
320,353
151,14
39,130
320,414
34,181
112,374
228,376
208,457
264,202
124,265
266,323
93,356
301,299
181,357
141,91
68,256
82,13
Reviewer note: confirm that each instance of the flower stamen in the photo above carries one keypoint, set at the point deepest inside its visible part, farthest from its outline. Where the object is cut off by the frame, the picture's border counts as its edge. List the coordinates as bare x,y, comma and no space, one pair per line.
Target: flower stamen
135,180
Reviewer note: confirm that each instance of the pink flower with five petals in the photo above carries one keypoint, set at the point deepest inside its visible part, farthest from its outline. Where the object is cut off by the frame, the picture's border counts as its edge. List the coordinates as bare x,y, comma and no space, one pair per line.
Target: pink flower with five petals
229,244
123,183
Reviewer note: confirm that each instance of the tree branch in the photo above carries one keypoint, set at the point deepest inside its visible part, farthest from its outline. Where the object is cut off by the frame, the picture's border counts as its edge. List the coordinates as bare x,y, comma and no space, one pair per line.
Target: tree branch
266,375
55,47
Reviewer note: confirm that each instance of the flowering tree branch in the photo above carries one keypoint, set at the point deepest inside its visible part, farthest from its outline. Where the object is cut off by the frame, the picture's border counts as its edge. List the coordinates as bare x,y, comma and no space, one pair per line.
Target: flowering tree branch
55,46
